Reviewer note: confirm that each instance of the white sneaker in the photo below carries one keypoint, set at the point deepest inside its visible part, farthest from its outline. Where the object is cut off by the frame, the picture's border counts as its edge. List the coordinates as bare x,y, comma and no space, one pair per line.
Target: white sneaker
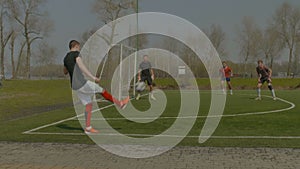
258,98
90,130
223,91
138,97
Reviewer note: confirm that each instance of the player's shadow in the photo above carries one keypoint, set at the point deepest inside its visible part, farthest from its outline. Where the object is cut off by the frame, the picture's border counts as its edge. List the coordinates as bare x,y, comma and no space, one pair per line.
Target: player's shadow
67,127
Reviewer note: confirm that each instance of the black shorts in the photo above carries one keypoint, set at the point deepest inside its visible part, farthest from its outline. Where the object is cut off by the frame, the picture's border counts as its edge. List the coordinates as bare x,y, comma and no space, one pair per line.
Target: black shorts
263,80
148,79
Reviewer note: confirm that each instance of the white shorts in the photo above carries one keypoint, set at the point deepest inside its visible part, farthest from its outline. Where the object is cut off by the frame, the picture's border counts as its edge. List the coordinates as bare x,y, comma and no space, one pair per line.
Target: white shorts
86,92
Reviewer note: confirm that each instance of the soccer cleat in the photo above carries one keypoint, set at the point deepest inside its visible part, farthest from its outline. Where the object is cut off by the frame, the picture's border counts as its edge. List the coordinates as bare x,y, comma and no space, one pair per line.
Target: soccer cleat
90,130
138,97
258,98
223,91
274,98
124,103
152,97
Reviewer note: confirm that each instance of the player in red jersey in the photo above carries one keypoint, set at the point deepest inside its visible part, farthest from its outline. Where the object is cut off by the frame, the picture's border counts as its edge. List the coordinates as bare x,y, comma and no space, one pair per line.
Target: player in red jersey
226,74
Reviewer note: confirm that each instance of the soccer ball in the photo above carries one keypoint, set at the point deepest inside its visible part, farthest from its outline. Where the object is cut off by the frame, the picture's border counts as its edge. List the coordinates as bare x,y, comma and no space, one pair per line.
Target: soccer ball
140,86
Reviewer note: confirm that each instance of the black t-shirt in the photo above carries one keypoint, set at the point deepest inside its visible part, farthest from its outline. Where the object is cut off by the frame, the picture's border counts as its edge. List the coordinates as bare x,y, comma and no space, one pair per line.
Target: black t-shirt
145,67
264,71
76,77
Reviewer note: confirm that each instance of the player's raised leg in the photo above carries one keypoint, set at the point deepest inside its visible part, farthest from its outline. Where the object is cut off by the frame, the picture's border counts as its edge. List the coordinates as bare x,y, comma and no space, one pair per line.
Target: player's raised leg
121,103
91,88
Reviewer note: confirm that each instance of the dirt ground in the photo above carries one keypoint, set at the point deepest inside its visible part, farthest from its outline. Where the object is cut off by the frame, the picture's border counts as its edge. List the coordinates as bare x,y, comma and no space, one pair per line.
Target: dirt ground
77,156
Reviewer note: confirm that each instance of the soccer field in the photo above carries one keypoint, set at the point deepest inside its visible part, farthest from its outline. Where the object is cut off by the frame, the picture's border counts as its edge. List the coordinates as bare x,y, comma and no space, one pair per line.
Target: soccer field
245,122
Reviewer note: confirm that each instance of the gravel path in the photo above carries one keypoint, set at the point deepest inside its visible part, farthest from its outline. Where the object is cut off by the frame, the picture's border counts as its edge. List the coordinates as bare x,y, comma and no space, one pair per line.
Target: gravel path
65,156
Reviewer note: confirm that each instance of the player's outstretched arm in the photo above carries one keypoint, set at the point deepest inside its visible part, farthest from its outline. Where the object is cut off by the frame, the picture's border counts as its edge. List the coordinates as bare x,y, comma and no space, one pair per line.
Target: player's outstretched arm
83,68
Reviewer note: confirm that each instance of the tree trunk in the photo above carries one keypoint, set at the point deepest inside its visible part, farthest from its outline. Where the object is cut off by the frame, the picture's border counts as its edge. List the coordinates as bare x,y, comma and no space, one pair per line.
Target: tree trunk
271,62
2,63
2,47
19,58
12,48
245,64
28,55
290,61
296,63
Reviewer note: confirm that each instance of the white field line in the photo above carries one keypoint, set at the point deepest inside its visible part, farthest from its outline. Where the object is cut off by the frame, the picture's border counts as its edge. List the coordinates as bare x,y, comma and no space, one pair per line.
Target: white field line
67,119
61,121
292,105
171,136
186,117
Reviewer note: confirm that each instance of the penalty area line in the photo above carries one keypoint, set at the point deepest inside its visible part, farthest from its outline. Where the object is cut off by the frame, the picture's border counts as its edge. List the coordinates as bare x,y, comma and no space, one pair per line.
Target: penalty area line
64,120
68,119
292,105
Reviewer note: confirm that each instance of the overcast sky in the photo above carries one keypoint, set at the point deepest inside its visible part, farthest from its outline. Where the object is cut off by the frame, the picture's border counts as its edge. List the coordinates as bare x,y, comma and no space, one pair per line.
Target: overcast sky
72,17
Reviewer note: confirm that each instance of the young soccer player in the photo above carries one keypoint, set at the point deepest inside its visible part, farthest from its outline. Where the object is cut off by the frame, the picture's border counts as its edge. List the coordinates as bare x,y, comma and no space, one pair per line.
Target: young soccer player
264,75
85,89
226,73
146,73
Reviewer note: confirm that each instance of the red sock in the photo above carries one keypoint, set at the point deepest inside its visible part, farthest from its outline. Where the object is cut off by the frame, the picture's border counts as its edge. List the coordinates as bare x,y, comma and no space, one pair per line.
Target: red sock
88,114
109,97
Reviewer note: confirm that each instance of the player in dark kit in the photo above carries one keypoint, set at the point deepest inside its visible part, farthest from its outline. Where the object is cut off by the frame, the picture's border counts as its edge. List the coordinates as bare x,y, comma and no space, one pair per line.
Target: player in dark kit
146,73
85,89
264,75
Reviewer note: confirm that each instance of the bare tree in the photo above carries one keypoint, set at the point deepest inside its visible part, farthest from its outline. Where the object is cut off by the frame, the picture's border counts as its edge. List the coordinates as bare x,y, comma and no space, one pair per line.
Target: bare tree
34,22
87,34
271,44
287,22
110,10
247,38
16,63
45,57
217,37
297,56
4,35
45,54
